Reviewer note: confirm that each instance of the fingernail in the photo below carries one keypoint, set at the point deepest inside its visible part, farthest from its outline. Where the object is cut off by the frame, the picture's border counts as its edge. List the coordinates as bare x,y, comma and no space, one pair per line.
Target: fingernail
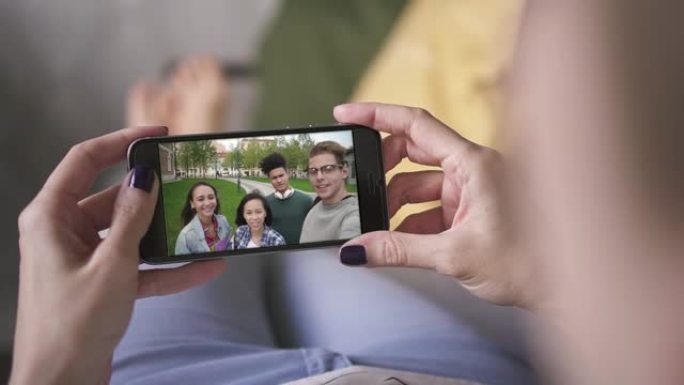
142,178
340,107
354,255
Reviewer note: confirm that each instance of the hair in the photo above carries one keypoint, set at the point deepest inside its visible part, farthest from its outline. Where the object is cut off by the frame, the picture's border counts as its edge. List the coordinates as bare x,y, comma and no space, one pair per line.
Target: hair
329,147
188,212
271,162
239,213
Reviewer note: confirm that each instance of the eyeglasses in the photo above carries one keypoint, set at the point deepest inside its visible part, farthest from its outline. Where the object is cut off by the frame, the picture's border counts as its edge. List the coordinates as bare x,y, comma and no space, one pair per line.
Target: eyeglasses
325,170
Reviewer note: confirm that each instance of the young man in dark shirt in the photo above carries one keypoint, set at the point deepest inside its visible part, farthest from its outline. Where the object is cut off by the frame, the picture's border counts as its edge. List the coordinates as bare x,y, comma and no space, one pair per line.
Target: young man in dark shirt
288,206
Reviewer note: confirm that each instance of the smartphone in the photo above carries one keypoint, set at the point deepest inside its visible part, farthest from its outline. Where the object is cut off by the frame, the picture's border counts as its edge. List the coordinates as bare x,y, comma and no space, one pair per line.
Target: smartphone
261,191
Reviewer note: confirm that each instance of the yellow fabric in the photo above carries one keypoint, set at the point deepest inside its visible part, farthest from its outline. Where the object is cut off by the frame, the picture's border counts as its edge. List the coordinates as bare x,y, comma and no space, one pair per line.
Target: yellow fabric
448,57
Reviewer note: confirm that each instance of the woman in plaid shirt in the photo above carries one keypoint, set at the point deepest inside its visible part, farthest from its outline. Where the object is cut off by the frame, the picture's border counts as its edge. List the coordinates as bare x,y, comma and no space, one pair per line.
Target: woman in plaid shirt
253,219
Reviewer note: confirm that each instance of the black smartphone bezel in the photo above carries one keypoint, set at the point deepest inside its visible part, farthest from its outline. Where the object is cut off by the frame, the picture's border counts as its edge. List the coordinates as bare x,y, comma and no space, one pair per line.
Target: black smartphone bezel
370,180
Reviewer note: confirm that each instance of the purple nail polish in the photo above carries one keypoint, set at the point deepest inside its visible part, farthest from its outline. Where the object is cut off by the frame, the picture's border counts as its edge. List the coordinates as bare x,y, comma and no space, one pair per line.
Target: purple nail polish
353,255
142,178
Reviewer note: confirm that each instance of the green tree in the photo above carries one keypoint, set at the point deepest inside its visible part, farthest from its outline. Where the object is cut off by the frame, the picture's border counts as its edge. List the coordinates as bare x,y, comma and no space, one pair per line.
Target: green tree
303,144
229,159
197,154
248,155
237,158
292,152
205,155
184,159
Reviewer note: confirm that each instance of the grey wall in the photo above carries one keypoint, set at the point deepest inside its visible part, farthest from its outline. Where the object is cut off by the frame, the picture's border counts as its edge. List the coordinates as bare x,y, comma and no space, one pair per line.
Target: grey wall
65,69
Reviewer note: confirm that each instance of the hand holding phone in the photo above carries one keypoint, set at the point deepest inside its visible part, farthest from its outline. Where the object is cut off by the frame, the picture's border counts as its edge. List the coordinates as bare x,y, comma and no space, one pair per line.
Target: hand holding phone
77,290
244,192
469,236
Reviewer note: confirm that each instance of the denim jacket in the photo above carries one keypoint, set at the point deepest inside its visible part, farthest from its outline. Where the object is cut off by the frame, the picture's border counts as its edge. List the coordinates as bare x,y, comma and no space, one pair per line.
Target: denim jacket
191,239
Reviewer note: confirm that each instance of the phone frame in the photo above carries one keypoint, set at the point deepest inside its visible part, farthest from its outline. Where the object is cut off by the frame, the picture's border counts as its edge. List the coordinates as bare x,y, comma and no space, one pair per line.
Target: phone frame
370,181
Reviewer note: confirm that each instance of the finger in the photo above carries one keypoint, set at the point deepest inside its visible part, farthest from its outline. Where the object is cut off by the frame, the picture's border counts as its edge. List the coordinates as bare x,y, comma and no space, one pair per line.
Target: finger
393,151
98,207
77,171
393,248
169,281
413,187
195,68
427,222
132,214
429,141
183,74
210,64
214,67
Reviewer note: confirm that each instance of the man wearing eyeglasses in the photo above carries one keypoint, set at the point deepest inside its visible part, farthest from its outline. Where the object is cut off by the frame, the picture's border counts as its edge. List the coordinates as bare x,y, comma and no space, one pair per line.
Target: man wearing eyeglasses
335,213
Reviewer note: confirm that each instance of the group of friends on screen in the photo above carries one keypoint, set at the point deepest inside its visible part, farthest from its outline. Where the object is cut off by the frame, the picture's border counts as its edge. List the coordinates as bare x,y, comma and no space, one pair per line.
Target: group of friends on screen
285,217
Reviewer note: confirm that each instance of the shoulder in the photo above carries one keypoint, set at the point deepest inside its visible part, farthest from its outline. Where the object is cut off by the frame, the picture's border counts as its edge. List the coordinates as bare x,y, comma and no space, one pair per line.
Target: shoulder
222,219
304,198
186,237
272,233
350,206
315,208
301,195
270,197
352,201
187,228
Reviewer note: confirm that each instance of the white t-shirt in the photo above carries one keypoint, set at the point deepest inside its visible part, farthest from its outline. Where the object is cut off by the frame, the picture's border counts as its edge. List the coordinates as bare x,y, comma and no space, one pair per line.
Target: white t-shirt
251,244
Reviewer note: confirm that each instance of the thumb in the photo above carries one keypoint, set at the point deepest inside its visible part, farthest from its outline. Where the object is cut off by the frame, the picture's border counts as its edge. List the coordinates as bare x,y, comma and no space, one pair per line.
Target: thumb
393,248
133,212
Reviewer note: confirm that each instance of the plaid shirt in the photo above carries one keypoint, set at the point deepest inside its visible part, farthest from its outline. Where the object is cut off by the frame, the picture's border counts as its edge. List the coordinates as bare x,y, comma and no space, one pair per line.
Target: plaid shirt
269,238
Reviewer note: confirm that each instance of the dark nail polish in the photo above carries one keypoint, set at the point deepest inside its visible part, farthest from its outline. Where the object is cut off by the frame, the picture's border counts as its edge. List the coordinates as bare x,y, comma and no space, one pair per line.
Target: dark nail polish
353,255
142,178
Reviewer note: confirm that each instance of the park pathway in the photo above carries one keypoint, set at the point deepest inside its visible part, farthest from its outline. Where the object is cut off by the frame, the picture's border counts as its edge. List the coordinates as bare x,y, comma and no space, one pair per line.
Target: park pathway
264,188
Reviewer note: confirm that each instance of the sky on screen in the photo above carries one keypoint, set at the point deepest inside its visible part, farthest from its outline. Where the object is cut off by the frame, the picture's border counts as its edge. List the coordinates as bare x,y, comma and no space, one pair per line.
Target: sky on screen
342,137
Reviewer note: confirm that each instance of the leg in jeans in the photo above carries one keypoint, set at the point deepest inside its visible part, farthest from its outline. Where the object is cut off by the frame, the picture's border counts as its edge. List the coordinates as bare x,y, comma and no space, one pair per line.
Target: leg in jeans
406,319
213,334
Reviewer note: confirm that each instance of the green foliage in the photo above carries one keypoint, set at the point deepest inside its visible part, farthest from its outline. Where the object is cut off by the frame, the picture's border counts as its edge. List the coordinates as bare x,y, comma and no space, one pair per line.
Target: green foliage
295,150
200,155
229,159
252,155
197,154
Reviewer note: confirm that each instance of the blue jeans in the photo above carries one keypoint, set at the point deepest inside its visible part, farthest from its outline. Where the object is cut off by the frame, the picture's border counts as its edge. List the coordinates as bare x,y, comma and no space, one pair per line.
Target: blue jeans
280,317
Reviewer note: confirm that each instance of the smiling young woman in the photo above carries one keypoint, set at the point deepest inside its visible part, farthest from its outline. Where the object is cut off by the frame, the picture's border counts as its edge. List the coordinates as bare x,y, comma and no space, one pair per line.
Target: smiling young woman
253,218
205,228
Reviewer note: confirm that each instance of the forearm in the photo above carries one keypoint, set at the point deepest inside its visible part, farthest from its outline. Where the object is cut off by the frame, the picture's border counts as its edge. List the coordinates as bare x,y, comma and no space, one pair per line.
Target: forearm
602,157
59,369
48,354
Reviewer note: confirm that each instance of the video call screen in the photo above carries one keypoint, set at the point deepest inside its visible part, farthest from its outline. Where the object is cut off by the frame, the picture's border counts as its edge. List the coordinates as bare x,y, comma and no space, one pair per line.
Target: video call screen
267,191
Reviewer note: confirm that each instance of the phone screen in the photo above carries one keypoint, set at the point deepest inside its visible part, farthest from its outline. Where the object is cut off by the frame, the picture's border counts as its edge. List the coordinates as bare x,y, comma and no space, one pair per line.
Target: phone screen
261,191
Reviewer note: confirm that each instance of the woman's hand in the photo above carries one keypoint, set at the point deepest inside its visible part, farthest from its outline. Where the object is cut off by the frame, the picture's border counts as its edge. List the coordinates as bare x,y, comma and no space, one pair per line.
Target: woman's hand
468,237
76,291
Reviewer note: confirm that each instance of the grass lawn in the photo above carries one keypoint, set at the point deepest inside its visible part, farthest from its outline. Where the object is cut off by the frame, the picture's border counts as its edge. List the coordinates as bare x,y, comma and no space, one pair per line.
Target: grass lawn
299,184
174,198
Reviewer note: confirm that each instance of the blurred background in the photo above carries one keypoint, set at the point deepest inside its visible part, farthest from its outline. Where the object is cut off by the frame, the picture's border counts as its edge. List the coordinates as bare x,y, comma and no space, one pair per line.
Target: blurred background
68,66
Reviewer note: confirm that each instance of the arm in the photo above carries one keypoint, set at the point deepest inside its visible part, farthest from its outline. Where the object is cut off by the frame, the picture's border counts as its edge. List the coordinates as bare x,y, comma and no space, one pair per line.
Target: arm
604,82
182,244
